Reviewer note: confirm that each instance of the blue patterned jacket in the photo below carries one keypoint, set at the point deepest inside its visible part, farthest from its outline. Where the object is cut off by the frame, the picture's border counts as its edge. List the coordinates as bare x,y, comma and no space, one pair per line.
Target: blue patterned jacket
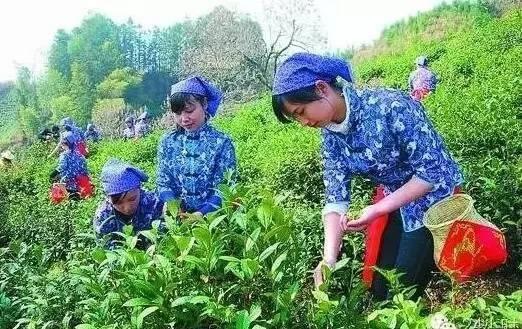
70,165
191,165
388,138
107,220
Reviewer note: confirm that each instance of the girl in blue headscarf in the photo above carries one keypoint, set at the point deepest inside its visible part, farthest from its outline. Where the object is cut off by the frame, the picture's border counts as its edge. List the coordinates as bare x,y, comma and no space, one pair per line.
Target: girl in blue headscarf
194,157
383,135
75,133
72,168
126,203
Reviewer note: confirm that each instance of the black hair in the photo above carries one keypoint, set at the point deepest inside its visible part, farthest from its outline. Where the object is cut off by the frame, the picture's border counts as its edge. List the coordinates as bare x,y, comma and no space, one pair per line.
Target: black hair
115,198
54,177
45,131
300,96
178,101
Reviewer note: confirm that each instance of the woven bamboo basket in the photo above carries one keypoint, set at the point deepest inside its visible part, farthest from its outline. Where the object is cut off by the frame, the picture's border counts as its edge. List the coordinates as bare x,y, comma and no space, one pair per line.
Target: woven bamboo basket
442,215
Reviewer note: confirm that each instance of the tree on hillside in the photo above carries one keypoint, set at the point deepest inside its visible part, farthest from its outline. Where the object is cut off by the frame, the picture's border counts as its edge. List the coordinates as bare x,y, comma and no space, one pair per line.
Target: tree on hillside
59,58
290,25
169,47
109,115
117,83
151,92
7,104
156,56
95,45
26,88
63,106
130,38
51,86
499,7
216,47
81,93
29,115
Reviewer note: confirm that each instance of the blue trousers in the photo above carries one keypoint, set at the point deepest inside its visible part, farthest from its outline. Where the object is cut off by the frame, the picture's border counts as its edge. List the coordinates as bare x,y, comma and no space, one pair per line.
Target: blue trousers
410,253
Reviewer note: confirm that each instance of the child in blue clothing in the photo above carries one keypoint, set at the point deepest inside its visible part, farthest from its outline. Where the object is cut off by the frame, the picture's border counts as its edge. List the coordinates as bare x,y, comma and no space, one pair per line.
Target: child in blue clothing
127,203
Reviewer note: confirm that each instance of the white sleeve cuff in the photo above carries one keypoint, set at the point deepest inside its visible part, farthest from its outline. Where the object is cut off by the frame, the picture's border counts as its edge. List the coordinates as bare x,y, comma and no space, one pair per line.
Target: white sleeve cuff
338,207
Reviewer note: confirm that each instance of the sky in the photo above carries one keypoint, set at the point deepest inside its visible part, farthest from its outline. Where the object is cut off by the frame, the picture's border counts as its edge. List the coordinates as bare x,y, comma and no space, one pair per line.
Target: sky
27,27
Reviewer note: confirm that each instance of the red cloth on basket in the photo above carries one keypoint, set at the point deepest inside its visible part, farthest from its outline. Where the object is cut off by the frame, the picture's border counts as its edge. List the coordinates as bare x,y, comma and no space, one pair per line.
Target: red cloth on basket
471,249
81,147
419,94
58,193
85,187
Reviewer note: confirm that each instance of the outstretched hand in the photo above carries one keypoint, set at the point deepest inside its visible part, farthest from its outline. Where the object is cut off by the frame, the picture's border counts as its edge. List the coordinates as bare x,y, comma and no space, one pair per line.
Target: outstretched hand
368,215
318,273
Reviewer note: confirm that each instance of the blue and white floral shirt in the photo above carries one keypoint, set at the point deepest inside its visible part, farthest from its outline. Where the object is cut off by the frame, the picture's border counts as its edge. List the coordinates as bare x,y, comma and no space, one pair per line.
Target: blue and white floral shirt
71,164
191,165
129,132
107,220
388,138
141,129
422,78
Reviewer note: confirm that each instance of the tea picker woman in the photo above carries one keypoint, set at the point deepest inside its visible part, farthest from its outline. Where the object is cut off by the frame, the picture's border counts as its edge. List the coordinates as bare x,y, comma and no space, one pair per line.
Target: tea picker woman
72,168
194,157
380,134
142,128
127,203
81,145
129,131
422,80
74,133
92,134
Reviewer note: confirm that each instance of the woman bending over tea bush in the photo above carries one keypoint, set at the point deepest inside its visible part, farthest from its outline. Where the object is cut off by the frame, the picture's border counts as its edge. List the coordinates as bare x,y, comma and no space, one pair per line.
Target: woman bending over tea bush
72,168
383,135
